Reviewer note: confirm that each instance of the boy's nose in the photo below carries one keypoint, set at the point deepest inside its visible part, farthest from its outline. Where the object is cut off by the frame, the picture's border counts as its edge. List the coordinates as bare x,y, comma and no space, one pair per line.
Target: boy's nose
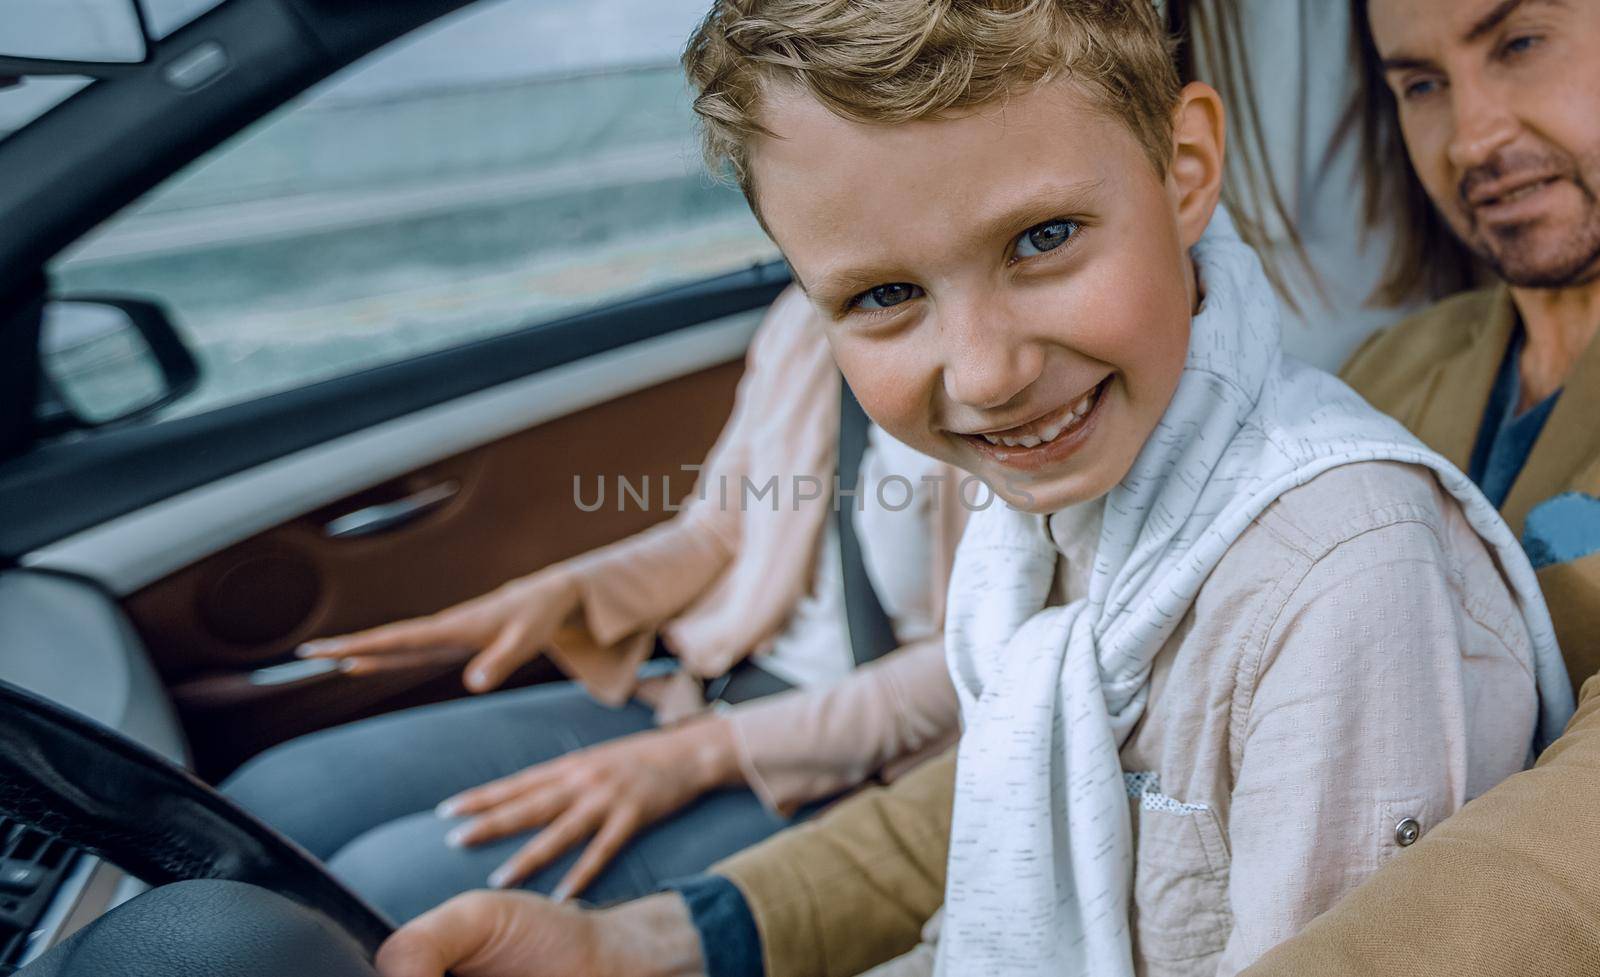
985,364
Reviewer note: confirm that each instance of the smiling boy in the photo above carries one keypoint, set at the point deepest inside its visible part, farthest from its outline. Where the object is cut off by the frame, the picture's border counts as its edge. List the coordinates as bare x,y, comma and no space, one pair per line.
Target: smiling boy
861,178
1299,633
1075,242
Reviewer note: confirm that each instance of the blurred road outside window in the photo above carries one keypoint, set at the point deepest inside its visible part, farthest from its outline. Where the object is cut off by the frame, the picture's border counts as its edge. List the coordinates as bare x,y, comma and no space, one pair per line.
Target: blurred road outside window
514,163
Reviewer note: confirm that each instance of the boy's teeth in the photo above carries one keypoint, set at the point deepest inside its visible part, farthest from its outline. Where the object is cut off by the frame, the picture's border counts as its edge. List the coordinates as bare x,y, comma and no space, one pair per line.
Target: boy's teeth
1078,412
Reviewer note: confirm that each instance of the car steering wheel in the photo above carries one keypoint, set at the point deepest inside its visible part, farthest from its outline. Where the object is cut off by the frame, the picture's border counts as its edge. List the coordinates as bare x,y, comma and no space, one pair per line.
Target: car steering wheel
103,794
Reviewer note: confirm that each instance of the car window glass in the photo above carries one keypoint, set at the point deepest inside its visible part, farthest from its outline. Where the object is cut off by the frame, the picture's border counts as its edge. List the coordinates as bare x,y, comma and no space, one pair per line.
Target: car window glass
24,99
517,162
163,17
72,30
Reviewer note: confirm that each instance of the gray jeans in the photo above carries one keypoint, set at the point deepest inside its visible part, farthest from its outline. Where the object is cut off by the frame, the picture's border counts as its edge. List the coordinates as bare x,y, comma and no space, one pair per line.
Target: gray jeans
361,798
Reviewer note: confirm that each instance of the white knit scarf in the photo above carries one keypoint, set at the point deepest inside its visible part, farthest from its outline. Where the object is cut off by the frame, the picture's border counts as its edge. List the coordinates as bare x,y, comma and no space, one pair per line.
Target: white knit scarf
1040,851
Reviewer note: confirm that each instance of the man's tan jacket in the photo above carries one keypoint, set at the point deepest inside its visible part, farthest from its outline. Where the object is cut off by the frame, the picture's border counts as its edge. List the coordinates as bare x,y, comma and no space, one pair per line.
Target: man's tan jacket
1510,885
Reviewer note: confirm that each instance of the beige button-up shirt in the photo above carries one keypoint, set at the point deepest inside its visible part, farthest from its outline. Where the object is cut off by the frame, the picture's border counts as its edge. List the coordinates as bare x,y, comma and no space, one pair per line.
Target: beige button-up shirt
1355,660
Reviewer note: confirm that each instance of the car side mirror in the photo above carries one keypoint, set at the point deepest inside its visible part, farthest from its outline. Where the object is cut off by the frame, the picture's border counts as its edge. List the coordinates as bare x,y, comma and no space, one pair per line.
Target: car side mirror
106,360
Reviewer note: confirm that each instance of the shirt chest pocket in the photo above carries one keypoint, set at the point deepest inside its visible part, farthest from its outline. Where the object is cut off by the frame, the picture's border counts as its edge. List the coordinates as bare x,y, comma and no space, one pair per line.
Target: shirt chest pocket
1181,920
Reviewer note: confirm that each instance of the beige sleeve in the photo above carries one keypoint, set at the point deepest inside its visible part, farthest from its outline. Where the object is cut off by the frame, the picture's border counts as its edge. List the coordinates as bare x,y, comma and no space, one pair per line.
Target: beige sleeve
809,744
852,889
629,588
625,591
1362,717
1510,885
1367,365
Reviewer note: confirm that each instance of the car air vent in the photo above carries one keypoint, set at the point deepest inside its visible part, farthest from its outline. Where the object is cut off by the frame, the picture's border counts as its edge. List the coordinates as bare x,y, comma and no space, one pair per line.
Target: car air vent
32,865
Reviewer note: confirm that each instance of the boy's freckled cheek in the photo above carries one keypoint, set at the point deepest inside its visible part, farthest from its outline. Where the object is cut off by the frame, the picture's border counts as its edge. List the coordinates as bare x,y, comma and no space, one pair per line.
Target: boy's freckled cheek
892,384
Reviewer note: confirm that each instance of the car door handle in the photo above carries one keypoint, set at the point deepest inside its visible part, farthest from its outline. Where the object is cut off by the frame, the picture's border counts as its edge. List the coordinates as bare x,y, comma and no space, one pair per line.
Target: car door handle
387,516
291,673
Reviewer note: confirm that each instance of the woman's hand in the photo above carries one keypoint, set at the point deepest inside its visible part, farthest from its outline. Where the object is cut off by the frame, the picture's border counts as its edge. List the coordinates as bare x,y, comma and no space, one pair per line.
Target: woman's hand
502,630
607,792
517,934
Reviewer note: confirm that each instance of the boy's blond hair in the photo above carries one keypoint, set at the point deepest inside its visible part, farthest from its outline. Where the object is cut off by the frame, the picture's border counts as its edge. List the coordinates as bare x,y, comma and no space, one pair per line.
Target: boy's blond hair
888,62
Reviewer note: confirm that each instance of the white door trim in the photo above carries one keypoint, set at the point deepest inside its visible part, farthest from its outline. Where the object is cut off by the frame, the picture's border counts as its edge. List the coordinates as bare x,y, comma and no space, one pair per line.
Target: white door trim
137,549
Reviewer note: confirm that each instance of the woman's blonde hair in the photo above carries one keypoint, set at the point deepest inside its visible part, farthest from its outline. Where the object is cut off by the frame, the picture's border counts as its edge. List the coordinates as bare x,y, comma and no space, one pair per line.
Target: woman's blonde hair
894,61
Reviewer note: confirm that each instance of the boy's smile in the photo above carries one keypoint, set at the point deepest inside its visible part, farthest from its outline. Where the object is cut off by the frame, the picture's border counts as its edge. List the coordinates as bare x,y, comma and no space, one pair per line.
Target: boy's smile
1008,289
1046,441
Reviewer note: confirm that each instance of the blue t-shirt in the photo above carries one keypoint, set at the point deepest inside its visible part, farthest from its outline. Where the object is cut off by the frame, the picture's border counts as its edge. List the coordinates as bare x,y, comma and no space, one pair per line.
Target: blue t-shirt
1559,529
1506,438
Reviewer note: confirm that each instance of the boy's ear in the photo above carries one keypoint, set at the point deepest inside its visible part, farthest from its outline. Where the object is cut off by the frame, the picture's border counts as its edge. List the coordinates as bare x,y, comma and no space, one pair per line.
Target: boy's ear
1199,145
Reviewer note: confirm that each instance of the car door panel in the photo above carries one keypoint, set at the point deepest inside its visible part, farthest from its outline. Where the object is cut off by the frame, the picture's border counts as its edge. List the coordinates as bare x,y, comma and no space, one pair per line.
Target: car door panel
514,509
227,577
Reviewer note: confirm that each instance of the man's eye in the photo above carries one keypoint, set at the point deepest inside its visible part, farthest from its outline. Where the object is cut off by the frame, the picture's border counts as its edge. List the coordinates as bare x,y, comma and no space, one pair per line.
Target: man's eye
1045,237
1420,88
885,296
1519,45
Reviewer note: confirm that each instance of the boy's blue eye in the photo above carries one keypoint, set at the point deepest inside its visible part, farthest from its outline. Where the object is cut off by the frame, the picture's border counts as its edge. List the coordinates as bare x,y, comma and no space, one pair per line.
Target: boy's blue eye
885,296
1045,237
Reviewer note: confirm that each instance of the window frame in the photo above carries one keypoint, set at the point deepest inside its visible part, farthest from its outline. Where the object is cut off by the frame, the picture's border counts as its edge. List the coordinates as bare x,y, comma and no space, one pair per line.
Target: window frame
127,133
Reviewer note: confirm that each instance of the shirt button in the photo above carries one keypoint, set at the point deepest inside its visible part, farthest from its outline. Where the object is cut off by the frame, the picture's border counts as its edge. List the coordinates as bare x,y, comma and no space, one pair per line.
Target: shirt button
1407,832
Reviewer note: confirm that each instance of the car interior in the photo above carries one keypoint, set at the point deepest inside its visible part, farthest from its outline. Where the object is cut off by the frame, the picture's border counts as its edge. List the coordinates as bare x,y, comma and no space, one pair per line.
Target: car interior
171,534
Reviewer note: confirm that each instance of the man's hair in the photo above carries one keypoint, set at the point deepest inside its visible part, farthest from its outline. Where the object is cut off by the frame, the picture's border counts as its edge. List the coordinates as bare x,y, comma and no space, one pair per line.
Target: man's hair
889,62
1426,259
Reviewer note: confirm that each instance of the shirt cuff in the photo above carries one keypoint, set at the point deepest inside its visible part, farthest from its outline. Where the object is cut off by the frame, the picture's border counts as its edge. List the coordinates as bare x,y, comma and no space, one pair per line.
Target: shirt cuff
729,941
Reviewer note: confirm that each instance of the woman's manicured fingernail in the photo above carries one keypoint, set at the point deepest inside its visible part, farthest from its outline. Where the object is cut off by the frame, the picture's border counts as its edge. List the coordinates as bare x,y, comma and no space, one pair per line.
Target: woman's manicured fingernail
500,879
561,893
311,649
457,838
448,808
349,664
478,679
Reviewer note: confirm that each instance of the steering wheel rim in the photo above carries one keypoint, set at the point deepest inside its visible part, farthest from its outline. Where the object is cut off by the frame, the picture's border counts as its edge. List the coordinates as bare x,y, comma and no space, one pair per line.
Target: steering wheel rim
102,793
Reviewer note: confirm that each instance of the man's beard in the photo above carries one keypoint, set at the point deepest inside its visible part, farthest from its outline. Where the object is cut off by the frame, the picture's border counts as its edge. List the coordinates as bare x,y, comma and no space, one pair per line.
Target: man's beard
1525,255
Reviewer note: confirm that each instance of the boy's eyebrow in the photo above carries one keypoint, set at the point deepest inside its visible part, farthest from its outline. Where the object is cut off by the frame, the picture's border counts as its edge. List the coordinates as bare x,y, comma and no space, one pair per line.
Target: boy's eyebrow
850,280
1039,204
